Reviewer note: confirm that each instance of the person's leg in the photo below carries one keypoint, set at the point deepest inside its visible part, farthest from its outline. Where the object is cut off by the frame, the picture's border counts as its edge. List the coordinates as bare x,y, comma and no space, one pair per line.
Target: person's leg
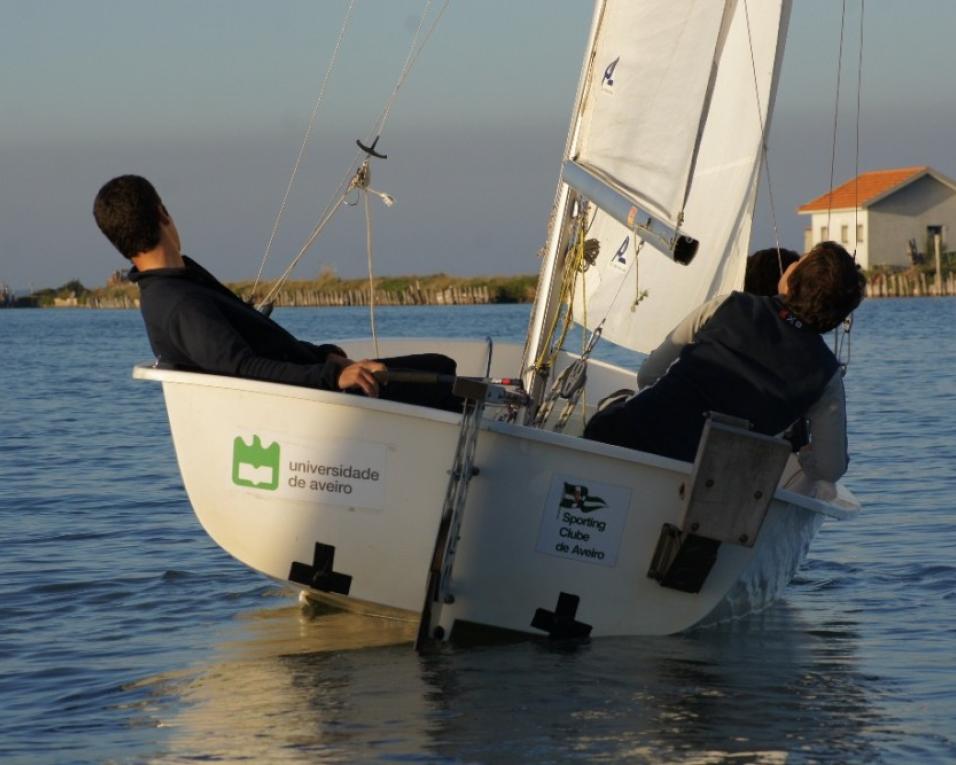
648,422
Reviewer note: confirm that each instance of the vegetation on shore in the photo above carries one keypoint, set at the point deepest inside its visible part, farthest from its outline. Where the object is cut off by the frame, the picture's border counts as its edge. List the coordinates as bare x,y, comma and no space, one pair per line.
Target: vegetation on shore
329,289
326,289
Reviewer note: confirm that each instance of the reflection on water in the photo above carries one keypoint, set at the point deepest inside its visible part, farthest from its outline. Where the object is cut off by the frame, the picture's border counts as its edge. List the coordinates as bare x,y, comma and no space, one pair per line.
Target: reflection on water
126,635
304,685
341,687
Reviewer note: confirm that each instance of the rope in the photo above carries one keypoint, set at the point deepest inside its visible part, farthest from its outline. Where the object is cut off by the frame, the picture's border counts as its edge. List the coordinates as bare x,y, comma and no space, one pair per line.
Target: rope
764,150
345,185
414,51
856,171
371,276
305,141
584,343
848,322
413,54
327,216
572,266
638,294
836,113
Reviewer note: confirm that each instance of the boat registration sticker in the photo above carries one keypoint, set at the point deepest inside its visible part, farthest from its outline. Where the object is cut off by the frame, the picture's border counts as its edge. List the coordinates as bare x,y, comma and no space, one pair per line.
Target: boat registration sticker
350,473
584,520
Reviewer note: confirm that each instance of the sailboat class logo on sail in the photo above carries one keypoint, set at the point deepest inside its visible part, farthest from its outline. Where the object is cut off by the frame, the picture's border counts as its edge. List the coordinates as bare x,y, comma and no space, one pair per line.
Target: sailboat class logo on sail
619,261
607,81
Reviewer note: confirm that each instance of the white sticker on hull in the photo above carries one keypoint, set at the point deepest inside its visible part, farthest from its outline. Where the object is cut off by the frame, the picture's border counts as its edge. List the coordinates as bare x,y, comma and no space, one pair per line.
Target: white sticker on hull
350,473
584,520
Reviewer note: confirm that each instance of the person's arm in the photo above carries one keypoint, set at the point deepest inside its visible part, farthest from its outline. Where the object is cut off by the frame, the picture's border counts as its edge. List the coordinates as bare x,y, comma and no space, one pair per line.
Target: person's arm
323,351
200,332
825,457
666,353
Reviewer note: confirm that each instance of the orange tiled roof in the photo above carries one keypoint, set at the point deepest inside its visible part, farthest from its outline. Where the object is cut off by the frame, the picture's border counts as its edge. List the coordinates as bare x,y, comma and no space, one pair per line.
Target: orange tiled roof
863,189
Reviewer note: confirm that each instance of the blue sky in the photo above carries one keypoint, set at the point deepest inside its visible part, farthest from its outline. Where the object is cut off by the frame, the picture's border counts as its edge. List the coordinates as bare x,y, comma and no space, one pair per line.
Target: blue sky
210,100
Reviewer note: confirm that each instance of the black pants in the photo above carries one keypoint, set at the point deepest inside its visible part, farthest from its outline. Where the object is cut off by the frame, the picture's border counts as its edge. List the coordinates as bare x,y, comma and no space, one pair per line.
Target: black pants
434,395
649,424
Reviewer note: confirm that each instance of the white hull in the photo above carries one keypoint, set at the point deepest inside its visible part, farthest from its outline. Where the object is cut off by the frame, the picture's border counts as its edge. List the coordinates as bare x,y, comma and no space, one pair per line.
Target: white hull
379,528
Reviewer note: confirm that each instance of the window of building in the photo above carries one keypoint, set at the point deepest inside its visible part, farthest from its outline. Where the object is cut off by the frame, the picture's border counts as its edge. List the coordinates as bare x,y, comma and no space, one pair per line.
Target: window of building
859,233
931,233
824,233
845,234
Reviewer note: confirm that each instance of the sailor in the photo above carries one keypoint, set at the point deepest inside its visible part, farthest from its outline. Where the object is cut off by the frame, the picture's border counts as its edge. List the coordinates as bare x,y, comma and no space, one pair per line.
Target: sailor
755,357
194,322
764,268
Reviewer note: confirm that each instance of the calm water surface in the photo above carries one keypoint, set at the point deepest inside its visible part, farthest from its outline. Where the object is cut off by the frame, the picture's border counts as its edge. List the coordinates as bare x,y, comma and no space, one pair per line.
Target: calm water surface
126,635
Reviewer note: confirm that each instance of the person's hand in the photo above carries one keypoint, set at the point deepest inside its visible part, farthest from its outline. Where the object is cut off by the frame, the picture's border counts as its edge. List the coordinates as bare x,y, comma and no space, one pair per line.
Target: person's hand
362,375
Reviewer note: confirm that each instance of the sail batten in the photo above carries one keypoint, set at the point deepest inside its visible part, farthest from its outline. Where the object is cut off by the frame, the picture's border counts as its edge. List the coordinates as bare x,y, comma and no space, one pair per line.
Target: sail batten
630,212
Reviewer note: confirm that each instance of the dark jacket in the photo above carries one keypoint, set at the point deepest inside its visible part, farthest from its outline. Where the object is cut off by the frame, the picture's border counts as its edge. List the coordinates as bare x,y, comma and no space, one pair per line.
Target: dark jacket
749,360
193,321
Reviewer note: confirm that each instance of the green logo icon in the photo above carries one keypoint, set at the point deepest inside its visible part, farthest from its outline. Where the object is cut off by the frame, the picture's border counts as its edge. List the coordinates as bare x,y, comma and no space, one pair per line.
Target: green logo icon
576,496
255,466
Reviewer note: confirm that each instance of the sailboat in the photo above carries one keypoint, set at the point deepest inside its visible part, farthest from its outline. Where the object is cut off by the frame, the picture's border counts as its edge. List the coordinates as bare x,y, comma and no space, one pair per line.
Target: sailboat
503,518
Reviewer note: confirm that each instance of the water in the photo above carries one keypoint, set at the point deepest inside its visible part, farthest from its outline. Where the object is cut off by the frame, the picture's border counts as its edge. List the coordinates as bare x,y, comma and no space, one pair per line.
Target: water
126,635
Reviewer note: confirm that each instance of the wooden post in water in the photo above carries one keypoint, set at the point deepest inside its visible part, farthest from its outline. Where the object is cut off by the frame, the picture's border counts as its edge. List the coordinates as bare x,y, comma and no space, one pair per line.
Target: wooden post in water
939,265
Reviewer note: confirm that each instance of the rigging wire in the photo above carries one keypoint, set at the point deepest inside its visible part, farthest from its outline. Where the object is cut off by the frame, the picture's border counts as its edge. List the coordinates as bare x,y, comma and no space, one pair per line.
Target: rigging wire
856,166
305,141
842,349
764,151
371,274
413,54
348,181
836,115
329,213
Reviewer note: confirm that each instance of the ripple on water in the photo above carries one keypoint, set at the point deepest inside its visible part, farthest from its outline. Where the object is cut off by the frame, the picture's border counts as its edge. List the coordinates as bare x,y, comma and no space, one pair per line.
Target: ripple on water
127,635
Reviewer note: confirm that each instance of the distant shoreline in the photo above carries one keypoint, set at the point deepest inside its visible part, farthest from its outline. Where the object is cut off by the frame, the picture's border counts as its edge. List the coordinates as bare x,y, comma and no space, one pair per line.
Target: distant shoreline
435,289
327,290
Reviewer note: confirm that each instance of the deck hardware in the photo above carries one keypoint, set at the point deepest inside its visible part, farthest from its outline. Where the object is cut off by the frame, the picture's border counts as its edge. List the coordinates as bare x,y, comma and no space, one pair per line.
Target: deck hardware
370,150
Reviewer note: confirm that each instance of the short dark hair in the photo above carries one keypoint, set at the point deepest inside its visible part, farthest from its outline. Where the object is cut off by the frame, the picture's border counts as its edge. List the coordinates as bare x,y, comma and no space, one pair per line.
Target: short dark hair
825,287
764,269
127,210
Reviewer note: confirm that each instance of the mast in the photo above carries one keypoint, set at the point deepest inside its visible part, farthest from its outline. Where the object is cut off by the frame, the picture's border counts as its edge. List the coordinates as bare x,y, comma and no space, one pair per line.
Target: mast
546,303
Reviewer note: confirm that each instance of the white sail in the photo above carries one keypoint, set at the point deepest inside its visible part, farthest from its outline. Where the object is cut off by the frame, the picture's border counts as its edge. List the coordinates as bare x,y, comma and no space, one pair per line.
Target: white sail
692,157
645,94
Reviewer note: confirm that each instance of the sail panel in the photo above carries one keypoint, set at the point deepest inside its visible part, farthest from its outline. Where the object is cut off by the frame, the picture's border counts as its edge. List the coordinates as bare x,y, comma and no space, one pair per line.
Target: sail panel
719,207
645,94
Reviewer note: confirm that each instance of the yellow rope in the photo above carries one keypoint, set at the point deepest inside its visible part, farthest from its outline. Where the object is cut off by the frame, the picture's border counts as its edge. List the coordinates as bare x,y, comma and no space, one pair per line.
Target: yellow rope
584,343
572,266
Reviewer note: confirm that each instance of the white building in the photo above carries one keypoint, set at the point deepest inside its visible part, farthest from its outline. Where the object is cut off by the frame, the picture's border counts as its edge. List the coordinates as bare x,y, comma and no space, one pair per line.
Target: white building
880,212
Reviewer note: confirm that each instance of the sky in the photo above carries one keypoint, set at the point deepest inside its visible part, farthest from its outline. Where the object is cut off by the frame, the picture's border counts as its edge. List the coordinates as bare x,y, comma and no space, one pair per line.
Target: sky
210,100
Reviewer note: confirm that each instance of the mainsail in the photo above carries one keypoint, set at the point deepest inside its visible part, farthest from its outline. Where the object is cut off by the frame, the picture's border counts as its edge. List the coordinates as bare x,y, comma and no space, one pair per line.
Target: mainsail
672,114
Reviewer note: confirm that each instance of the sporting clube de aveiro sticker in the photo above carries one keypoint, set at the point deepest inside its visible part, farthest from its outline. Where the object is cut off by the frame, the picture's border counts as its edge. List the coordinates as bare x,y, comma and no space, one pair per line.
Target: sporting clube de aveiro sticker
350,473
583,520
